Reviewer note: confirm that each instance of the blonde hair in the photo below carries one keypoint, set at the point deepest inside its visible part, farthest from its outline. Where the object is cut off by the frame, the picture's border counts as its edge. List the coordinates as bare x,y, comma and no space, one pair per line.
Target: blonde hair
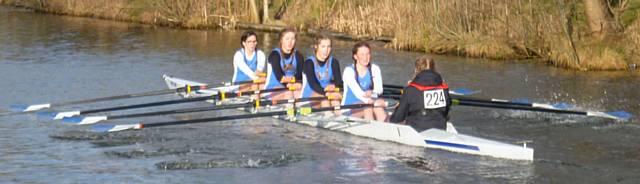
424,63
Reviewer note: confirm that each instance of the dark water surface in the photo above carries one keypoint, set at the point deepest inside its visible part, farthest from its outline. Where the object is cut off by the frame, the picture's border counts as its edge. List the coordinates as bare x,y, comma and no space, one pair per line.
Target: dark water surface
48,58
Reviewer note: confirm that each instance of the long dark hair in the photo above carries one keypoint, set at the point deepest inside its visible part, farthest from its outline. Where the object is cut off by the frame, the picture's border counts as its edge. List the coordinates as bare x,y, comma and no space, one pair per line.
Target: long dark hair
355,48
354,51
246,35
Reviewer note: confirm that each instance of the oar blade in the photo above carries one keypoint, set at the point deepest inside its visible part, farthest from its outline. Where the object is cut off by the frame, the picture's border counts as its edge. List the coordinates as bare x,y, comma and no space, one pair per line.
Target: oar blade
28,108
563,105
57,115
82,120
463,91
114,128
617,115
72,120
621,115
522,100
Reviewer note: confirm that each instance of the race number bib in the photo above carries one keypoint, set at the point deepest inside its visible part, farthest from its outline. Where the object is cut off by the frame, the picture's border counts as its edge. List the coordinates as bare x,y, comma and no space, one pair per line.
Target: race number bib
434,99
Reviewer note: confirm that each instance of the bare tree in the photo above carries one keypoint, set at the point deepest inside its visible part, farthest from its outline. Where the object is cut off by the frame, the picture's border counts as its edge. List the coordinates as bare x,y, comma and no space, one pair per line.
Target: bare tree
600,19
265,11
255,18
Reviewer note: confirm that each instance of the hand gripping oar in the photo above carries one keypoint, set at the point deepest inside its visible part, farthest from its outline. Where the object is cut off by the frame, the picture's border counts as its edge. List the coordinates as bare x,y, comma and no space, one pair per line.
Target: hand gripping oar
82,120
36,107
290,111
219,96
617,115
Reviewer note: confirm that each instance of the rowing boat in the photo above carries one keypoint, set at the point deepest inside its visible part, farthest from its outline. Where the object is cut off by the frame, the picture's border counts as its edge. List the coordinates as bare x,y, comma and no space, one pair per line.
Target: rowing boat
449,140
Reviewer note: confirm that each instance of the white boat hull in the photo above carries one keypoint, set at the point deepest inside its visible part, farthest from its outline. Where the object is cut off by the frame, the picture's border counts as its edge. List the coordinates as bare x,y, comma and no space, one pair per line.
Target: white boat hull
403,134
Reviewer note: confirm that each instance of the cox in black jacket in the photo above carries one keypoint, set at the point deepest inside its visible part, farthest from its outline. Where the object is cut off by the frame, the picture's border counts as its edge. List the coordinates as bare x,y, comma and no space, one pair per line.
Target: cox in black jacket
412,108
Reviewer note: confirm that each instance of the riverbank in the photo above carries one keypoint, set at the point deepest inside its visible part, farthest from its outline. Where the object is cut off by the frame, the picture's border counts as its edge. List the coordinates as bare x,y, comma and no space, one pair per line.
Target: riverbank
499,29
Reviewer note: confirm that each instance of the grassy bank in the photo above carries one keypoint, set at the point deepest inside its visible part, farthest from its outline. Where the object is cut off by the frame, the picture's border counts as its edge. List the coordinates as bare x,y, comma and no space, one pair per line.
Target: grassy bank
552,30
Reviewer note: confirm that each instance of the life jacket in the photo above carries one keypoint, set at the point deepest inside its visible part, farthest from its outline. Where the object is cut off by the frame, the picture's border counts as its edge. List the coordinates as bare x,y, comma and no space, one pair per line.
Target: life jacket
324,74
288,66
365,83
362,81
252,64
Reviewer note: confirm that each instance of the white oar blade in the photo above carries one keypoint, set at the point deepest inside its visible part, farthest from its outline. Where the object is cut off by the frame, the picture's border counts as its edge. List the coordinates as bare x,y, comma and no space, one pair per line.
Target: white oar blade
617,115
463,91
28,108
58,115
82,120
114,128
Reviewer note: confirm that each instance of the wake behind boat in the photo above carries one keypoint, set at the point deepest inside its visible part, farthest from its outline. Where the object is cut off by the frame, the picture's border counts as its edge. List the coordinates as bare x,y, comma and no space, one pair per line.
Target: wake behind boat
448,140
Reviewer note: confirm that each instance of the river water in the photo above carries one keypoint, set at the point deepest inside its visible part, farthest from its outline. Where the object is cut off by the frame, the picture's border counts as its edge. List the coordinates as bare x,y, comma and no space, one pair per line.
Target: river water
50,58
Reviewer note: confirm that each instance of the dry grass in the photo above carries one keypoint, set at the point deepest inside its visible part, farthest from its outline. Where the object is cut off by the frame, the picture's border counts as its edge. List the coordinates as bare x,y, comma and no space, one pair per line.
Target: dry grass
496,29
477,28
179,13
593,56
632,37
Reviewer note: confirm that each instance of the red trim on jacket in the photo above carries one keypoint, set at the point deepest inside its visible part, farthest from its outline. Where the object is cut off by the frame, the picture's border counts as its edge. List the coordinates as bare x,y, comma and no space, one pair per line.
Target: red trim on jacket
425,88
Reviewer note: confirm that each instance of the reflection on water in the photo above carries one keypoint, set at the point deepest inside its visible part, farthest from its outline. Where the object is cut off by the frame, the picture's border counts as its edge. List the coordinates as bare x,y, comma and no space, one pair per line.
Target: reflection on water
57,58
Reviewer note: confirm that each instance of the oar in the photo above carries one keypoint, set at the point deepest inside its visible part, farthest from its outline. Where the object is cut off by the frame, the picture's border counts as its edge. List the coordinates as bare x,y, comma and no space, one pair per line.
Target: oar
36,107
617,115
257,81
519,102
395,89
82,120
392,86
219,96
290,112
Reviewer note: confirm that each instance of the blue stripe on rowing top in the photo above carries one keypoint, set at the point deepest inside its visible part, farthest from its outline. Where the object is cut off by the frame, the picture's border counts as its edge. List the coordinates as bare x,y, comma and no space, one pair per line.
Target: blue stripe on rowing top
454,145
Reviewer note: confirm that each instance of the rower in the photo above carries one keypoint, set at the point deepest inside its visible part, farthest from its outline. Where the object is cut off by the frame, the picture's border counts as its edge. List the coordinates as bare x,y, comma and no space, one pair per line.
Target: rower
425,103
363,84
321,75
248,63
284,67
